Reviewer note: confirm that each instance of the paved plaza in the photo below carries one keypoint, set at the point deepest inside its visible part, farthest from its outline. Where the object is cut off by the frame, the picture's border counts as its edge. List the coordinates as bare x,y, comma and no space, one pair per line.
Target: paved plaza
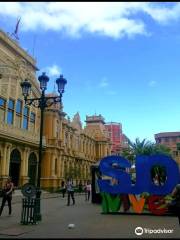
88,220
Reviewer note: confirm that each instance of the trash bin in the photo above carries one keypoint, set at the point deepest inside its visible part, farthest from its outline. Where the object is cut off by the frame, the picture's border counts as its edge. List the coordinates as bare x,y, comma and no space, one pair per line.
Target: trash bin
29,211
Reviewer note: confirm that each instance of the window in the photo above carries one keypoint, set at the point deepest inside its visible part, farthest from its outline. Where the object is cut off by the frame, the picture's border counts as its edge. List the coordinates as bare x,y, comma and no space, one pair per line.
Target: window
2,109
32,121
19,107
18,113
25,119
2,103
11,104
32,117
117,134
10,116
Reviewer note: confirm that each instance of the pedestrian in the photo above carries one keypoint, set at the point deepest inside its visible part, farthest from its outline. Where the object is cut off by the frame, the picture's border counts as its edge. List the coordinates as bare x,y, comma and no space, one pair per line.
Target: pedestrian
7,195
70,191
63,189
174,206
88,190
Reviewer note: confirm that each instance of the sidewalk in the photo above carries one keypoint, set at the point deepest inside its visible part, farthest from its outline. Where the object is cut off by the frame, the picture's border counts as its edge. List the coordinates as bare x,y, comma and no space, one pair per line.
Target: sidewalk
87,218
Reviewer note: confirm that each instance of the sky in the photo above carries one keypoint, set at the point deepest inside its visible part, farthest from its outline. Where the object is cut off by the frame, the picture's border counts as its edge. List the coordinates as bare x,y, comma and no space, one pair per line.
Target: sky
120,59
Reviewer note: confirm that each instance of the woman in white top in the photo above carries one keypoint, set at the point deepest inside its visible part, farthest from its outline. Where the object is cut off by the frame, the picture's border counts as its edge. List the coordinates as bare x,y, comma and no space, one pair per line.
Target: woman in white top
88,190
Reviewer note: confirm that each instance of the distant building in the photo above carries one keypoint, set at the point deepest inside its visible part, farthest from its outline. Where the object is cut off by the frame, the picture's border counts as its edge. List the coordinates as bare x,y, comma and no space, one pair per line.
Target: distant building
115,134
125,141
170,139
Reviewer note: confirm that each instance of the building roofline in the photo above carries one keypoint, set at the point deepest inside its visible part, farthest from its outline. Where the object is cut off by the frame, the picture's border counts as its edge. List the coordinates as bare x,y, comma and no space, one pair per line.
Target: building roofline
113,123
14,46
167,134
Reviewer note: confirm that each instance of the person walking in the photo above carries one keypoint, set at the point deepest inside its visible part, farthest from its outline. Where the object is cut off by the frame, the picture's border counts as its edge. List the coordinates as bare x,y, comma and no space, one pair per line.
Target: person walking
7,195
70,191
88,190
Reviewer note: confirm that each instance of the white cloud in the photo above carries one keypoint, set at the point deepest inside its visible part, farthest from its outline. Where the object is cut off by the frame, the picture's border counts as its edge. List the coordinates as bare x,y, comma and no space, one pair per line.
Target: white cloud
104,83
113,19
152,83
163,14
53,71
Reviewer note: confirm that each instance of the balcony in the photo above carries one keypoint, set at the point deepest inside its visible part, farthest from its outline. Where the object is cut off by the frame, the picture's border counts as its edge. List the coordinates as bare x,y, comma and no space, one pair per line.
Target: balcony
19,134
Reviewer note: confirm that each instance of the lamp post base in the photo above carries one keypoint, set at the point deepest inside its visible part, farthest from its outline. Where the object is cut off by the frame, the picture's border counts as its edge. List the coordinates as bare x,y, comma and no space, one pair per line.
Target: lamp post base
38,205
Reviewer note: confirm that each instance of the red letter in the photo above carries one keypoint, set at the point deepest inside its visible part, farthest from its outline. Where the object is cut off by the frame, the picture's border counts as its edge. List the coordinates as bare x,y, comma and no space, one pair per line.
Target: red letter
155,205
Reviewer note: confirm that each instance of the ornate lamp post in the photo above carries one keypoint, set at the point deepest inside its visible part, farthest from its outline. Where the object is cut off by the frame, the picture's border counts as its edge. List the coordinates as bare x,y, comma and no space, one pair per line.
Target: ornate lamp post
42,103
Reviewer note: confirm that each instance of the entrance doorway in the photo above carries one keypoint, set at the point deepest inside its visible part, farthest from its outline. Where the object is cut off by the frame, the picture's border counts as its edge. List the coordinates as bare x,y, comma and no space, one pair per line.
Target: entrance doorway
14,168
32,168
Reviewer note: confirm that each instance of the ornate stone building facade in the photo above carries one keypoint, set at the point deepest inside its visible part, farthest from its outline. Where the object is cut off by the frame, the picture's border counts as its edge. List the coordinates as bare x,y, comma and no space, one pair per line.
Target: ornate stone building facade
19,124
69,150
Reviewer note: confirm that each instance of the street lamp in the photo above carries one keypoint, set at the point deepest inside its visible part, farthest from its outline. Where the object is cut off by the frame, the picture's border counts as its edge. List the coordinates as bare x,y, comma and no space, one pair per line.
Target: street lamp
42,103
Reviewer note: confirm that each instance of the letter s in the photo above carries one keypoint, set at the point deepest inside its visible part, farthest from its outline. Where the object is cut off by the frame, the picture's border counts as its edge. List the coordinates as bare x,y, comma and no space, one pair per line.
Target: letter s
124,180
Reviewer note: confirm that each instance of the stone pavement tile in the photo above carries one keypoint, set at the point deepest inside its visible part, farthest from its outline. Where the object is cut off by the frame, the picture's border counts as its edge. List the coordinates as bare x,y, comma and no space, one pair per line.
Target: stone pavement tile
15,231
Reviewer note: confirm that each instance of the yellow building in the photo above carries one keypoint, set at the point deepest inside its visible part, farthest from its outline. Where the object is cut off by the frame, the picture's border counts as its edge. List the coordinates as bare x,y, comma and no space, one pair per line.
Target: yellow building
19,124
69,150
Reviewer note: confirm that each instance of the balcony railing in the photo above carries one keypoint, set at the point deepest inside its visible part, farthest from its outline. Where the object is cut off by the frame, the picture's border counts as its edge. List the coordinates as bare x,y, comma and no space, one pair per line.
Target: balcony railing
19,133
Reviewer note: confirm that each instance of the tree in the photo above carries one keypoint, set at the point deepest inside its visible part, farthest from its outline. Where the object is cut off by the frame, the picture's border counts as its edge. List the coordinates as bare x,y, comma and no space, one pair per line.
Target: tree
148,148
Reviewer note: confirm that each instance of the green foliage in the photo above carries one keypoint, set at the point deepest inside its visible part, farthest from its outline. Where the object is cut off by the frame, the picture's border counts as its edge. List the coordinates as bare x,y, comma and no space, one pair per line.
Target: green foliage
144,147
148,148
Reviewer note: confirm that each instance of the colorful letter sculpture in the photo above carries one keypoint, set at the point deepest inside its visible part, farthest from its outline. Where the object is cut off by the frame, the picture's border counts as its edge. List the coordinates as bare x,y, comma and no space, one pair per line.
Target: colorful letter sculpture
120,191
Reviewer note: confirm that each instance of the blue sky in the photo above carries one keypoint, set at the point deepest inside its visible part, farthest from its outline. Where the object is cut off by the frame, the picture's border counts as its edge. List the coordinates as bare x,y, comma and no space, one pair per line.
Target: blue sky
121,60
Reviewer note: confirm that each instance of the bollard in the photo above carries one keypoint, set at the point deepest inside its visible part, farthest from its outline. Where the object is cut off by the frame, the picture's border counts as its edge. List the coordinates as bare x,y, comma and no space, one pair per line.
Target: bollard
29,211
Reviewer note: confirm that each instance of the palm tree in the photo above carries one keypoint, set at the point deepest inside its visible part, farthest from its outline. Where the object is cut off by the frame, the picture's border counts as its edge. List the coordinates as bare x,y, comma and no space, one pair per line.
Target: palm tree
137,148
141,148
148,148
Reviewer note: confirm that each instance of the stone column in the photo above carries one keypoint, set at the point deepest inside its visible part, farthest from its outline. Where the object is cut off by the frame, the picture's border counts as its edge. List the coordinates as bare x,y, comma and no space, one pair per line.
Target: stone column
68,139
4,159
52,164
54,126
24,178
59,166
8,153
62,167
